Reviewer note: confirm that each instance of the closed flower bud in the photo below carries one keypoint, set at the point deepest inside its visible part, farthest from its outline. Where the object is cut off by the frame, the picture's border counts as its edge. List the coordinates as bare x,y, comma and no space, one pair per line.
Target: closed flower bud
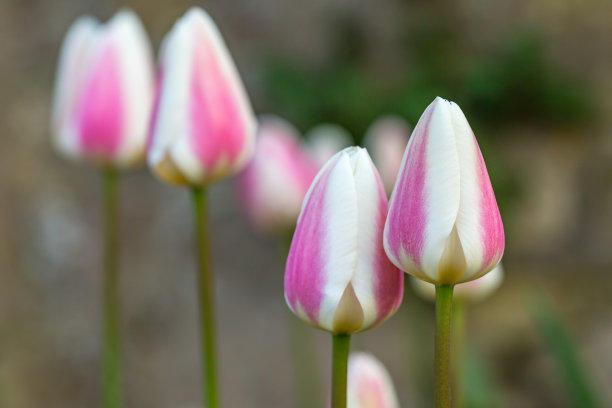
472,291
204,128
386,140
104,91
444,225
326,140
272,186
369,383
337,275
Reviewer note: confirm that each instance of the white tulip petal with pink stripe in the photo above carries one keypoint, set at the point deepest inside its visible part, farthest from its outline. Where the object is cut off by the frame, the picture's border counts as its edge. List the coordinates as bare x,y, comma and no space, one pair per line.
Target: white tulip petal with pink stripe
104,91
337,275
272,186
204,127
369,383
444,225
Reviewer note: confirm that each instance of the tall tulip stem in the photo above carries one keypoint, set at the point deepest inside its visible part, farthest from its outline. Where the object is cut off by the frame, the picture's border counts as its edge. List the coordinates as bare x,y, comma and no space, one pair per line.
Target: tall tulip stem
340,355
111,307
205,299
444,310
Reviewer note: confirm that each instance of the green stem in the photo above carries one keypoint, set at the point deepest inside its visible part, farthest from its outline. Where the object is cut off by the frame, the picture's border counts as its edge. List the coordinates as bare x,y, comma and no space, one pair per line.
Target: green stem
340,355
306,382
444,309
112,358
206,300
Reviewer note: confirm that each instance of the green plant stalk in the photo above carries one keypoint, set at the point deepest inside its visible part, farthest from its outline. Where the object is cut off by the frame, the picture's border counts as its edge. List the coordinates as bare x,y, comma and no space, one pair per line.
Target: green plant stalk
444,309
340,354
111,306
205,300
307,391
565,354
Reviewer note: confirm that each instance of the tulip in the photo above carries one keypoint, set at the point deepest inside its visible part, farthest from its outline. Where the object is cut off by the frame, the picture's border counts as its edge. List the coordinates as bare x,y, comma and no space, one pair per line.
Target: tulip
326,140
386,140
101,107
204,127
275,181
443,225
369,383
104,91
203,130
337,277
472,291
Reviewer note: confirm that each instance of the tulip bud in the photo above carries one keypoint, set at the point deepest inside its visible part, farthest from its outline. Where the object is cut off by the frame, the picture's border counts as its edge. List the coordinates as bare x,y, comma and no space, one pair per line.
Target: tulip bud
337,275
369,383
472,291
326,140
273,185
204,127
443,224
386,140
104,91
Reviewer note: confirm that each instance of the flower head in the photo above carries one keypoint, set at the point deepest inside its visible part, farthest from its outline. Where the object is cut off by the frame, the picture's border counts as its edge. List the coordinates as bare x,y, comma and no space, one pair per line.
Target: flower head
273,185
104,91
386,140
444,225
204,128
337,275
369,383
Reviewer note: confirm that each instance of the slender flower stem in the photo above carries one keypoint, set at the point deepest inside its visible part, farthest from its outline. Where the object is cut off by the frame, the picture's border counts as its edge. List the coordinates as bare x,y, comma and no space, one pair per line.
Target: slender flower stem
306,384
111,307
340,355
444,309
206,300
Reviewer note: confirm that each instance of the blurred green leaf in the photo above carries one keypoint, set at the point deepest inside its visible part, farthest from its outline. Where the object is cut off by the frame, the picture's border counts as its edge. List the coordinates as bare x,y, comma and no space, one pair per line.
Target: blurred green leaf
564,352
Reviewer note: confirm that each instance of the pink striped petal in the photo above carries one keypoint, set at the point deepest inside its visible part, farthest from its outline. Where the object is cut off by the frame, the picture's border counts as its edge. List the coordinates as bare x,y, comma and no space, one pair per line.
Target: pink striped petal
386,140
273,185
337,276
444,225
104,91
204,128
369,383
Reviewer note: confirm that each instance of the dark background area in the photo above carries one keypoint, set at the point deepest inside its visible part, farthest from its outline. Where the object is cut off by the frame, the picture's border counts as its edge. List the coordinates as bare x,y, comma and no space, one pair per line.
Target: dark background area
534,79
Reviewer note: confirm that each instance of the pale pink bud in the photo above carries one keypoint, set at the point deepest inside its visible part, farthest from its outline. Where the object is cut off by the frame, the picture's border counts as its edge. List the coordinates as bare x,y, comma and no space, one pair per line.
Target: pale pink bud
273,185
369,383
444,225
337,275
204,127
386,140
104,91
472,291
325,140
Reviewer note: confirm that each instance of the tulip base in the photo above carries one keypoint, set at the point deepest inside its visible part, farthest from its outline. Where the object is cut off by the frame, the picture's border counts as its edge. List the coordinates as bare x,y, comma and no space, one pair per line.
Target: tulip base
444,309
205,299
340,355
110,307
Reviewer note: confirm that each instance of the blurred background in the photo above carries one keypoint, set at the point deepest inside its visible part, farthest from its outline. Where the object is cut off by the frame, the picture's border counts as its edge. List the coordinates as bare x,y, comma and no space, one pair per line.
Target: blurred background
533,77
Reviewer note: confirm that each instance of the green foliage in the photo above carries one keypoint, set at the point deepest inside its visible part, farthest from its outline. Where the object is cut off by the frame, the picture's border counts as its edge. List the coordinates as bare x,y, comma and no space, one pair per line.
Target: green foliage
565,354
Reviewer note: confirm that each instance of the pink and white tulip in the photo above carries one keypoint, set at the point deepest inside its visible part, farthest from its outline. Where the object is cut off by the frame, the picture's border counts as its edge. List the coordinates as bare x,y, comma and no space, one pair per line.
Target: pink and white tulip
369,383
444,225
337,275
204,127
273,185
472,291
326,140
386,140
104,91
